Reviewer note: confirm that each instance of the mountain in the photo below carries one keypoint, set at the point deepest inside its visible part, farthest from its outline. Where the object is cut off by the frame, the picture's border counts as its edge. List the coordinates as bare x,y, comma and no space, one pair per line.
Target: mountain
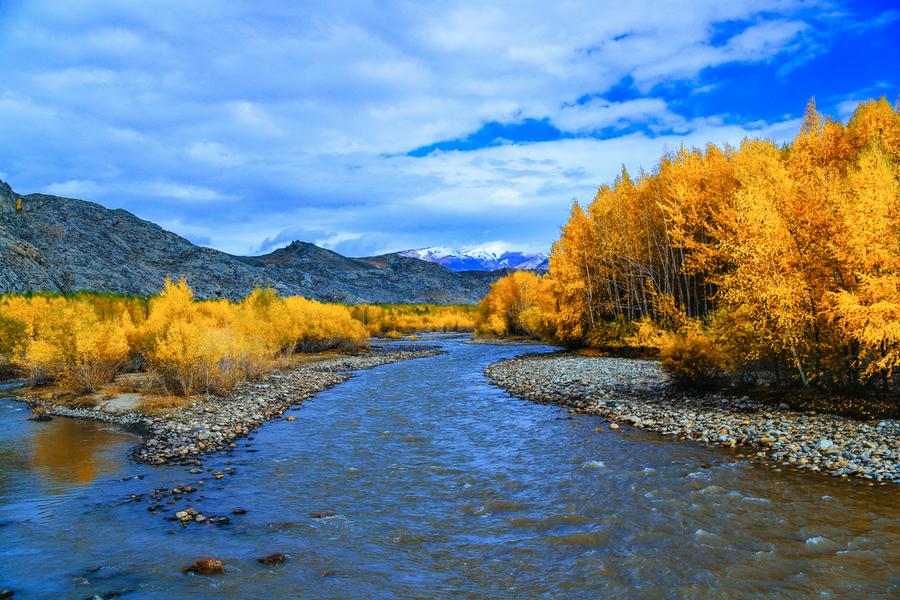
63,244
479,259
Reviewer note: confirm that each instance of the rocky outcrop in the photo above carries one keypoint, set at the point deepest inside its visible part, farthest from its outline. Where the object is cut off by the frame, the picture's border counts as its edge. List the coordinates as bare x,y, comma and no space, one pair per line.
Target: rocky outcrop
62,244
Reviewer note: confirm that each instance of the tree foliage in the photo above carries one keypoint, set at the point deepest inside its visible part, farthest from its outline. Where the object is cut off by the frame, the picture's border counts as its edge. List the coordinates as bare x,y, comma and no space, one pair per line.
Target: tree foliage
84,341
393,319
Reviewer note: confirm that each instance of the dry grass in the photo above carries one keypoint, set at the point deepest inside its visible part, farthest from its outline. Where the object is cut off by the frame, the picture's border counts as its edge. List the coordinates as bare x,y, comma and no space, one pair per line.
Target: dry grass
152,404
592,352
313,357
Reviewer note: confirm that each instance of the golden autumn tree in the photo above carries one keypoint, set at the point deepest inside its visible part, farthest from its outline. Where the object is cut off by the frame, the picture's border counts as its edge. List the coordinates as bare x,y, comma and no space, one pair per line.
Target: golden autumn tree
573,267
508,309
760,256
766,284
867,310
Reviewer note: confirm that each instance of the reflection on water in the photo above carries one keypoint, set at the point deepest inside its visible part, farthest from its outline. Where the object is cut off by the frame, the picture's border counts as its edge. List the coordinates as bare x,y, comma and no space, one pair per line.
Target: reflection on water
70,452
439,485
43,460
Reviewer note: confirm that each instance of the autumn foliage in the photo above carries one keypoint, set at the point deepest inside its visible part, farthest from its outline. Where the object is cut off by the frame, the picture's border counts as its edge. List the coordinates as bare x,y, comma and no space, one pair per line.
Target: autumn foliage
783,259
83,341
395,319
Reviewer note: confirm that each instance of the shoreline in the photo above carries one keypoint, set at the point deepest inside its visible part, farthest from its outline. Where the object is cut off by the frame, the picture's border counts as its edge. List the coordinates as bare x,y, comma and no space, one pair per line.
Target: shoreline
213,423
637,393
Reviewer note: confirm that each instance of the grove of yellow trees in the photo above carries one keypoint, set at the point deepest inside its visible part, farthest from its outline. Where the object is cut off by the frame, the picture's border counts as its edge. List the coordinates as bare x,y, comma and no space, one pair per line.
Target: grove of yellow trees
84,341
763,257
393,319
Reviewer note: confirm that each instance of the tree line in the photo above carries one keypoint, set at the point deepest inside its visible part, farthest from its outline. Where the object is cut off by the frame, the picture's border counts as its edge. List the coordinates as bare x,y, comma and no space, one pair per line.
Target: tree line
783,259
84,341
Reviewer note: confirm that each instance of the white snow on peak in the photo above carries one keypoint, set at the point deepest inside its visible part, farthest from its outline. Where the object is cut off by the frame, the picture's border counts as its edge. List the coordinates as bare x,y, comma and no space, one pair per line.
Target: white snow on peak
488,257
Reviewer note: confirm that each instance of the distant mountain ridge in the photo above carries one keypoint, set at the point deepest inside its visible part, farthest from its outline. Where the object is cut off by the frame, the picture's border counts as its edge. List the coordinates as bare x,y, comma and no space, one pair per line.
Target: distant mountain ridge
63,245
479,259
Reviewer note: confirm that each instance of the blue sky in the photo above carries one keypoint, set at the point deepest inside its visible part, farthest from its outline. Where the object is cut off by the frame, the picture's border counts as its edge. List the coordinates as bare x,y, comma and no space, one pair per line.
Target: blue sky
370,127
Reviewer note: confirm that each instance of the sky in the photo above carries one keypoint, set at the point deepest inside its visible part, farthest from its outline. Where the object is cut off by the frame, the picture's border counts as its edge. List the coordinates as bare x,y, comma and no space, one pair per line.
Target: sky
369,127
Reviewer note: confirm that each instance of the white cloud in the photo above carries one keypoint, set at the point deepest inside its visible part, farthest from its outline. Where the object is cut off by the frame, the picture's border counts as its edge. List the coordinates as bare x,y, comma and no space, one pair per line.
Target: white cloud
298,117
214,154
179,191
598,114
73,188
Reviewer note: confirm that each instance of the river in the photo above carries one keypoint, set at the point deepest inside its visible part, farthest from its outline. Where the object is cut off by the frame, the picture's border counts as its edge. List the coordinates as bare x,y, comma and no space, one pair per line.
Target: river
439,484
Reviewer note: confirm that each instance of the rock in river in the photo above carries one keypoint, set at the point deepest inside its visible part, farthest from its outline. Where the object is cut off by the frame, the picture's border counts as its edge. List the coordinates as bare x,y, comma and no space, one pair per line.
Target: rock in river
206,566
272,559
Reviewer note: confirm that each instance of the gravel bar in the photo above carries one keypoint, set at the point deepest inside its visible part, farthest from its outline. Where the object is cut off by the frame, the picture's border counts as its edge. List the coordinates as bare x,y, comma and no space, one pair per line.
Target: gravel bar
639,394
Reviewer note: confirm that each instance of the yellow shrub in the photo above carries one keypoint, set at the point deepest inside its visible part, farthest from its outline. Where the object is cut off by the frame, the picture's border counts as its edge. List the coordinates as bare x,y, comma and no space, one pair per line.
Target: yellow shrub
212,345
648,335
71,345
692,359
13,336
83,341
203,346
197,355
515,305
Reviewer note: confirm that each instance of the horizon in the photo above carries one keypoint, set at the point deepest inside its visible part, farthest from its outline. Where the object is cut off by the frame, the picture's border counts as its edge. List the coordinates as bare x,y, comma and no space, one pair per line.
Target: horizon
368,131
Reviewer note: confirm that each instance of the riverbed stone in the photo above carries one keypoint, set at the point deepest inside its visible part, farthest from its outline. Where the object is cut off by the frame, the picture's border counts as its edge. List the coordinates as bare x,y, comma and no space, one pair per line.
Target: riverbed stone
206,566
272,559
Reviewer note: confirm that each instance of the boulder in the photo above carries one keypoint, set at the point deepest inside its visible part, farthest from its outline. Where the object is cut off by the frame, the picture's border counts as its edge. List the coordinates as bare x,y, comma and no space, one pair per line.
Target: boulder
206,566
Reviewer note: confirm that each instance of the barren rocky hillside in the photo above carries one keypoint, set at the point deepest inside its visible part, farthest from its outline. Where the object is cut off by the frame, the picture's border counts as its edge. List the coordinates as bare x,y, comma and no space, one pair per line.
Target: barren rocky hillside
62,244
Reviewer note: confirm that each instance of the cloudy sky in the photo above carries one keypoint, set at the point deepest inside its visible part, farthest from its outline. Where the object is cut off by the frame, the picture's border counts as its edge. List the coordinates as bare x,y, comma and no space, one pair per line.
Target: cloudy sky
377,126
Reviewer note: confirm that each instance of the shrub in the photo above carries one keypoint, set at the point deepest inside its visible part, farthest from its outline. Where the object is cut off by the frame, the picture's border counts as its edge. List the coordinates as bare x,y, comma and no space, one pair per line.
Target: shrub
75,348
84,340
413,318
692,359
13,336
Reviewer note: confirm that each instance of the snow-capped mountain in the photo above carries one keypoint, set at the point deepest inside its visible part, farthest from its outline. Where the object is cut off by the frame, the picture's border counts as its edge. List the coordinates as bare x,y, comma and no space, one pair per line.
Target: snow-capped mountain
479,258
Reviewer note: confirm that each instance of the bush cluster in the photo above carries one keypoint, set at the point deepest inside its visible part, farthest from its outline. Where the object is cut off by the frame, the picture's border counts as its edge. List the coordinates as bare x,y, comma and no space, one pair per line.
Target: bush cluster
84,341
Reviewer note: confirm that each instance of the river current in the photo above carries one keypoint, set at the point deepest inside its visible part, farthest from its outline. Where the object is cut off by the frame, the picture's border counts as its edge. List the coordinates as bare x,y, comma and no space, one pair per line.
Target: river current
439,485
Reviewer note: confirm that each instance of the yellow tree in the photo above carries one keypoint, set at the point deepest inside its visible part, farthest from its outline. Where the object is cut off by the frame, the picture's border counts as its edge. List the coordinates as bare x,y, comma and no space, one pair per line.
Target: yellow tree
868,312
765,285
504,310
572,267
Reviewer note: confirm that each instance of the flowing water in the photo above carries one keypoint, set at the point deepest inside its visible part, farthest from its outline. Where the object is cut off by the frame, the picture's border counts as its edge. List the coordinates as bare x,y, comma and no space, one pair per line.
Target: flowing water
440,485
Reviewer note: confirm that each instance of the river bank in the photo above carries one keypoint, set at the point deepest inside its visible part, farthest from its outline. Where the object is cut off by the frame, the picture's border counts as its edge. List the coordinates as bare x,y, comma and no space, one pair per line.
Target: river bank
213,423
638,393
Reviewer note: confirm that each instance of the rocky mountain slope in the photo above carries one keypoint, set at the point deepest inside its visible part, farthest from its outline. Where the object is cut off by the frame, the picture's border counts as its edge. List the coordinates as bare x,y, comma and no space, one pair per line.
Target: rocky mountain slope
62,244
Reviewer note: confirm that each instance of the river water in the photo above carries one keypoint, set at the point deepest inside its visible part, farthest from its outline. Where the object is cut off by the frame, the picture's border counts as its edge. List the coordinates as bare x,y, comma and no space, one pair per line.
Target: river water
440,485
